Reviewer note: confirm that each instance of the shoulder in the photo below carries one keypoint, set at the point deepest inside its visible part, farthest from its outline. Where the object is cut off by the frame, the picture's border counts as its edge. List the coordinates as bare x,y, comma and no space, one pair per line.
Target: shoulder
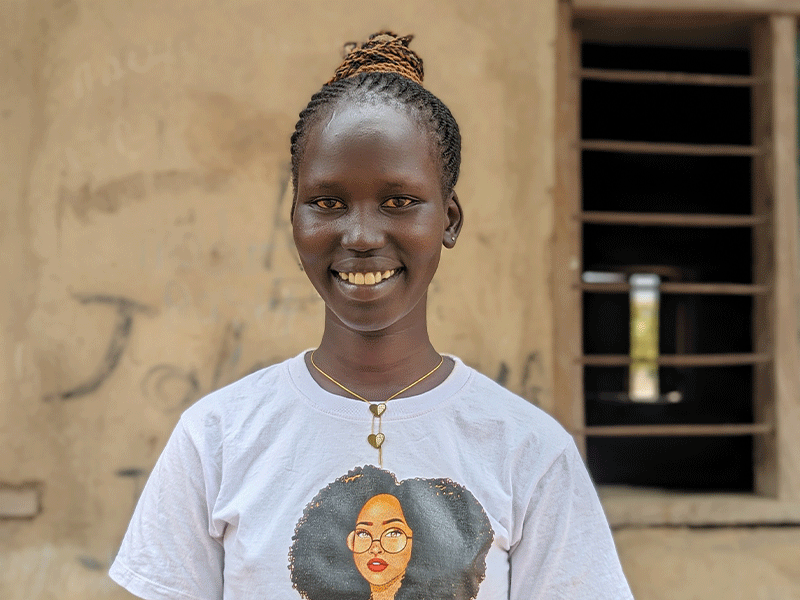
249,401
499,407
511,443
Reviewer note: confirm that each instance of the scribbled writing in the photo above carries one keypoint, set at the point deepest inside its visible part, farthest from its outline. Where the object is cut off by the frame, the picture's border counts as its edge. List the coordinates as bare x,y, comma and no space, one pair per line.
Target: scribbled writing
281,228
173,388
529,378
110,196
114,68
120,335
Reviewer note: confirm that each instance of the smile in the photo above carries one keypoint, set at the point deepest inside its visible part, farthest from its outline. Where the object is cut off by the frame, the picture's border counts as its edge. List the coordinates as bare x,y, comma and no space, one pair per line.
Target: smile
377,565
366,278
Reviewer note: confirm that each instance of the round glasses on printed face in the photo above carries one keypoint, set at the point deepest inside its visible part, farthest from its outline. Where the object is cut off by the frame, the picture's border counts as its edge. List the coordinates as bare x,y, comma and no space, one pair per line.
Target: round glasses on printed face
392,541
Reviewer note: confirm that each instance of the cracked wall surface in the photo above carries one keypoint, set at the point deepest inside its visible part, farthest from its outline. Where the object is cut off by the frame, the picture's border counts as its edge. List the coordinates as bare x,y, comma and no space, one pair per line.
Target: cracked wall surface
148,256
144,226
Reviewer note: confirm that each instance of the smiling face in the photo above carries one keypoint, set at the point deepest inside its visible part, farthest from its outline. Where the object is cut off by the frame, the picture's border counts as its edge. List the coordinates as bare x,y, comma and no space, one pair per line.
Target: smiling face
381,541
370,217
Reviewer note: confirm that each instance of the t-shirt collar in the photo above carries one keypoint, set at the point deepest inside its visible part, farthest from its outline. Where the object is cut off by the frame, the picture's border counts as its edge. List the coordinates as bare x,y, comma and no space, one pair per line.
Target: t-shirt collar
353,408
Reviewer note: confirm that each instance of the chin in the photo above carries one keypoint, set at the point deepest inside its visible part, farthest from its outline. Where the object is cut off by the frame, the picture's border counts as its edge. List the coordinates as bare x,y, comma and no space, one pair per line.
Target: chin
375,579
373,320
370,326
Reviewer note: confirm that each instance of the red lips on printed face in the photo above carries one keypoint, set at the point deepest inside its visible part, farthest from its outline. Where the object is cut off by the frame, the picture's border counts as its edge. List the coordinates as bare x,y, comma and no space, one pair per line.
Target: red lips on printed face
377,565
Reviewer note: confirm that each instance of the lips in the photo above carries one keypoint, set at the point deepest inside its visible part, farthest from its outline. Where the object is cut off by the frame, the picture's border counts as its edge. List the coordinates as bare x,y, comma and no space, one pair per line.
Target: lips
377,565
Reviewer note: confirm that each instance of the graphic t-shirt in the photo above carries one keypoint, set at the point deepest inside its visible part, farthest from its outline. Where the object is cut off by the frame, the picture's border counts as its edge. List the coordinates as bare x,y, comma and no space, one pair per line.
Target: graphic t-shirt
268,488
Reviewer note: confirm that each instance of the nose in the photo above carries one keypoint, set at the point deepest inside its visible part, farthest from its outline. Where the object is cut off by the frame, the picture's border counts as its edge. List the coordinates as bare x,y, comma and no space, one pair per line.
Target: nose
376,548
363,229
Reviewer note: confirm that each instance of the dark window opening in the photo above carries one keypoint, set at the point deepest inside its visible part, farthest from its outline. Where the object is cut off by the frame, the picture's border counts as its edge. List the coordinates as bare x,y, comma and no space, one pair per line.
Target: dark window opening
666,183
617,181
711,61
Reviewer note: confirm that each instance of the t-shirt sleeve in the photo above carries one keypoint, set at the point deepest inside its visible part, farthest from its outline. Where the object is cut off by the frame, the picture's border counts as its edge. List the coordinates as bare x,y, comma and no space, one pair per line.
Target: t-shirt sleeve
173,548
566,550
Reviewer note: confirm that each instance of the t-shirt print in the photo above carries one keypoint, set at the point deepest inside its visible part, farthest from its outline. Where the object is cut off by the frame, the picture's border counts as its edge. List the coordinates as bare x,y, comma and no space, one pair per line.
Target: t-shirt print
368,536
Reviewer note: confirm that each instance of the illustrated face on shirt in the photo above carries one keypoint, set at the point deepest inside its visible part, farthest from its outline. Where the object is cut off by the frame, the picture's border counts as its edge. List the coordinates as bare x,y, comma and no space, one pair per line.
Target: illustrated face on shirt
368,535
381,542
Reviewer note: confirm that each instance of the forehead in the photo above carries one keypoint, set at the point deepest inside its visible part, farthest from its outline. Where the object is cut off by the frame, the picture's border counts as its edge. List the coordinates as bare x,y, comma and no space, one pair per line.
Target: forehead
367,135
380,508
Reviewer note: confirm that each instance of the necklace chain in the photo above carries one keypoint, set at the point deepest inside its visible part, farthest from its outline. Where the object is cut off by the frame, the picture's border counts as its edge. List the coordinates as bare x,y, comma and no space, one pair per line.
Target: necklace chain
392,397
376,408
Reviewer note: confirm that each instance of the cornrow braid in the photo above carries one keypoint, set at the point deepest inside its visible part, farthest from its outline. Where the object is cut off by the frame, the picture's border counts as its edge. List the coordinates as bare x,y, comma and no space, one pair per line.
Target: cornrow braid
384,68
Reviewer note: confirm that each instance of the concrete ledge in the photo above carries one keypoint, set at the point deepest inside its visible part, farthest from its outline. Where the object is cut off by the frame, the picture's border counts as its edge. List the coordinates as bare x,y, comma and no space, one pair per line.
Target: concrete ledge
634,507
20,502
696,6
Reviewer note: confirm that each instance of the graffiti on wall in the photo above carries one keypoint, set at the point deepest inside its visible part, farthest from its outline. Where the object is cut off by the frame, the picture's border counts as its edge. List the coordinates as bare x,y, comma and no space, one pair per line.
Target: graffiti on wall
173,387
126,310
527,378
108,197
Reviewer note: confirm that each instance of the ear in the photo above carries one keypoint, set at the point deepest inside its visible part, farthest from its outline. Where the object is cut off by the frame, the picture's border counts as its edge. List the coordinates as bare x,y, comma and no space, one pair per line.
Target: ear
351,541
455,219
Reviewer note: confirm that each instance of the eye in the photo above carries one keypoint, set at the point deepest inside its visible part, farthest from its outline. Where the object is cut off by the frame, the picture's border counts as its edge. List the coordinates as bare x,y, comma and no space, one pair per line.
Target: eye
328,203
361,533
393,533
398,202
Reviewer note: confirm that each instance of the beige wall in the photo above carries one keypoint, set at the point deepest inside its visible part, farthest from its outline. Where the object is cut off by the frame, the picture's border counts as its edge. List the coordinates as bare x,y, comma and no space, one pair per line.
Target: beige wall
148,259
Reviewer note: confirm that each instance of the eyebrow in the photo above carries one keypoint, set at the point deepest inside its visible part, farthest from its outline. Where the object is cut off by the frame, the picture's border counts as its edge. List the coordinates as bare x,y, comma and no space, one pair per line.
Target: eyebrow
325,185
369,523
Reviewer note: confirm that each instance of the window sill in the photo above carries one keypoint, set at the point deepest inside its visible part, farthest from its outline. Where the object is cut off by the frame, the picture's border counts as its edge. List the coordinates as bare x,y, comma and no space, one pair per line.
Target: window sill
637,507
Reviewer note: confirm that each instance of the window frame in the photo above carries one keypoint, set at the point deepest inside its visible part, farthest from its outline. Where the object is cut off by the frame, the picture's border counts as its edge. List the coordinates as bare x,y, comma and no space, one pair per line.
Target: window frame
777,454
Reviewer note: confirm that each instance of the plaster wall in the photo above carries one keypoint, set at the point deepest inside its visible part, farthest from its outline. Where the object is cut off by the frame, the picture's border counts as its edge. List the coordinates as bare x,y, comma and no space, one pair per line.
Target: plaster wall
730,564
148,259
146,243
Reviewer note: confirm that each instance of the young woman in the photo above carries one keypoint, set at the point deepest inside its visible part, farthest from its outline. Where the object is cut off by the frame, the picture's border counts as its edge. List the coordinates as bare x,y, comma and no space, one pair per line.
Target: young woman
375,161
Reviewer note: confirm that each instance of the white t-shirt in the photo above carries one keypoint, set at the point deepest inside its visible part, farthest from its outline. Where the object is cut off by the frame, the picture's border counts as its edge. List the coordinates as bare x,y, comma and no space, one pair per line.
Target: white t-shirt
220,509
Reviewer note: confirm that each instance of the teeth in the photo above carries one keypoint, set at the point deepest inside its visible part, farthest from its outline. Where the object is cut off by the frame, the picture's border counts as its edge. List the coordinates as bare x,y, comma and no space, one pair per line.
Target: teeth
366,278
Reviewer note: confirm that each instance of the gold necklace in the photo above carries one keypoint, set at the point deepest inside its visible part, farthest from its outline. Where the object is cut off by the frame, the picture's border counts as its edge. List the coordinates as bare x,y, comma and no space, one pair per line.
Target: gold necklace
376,408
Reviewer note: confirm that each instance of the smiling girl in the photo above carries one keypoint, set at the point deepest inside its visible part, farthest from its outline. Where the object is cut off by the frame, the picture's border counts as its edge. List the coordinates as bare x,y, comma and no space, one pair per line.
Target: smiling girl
375,161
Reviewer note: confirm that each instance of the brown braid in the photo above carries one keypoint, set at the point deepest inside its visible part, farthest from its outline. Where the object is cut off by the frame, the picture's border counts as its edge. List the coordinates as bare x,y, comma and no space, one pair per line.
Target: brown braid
384,52
384,69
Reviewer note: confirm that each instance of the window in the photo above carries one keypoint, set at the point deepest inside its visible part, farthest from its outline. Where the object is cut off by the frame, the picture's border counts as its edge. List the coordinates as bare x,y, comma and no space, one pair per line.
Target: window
676,146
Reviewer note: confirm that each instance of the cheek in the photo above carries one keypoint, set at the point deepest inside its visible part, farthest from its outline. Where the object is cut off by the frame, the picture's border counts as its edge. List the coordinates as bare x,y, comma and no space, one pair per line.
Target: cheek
403,557
309,237
424,238
427,237
300,228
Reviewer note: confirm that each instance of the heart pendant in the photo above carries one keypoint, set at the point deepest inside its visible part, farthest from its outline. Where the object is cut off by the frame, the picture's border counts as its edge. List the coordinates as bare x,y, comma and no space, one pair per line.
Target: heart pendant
377,410
375,440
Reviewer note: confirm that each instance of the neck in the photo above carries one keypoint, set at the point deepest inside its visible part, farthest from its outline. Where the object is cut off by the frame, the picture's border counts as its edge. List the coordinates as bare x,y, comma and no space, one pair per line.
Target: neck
386,591
377,364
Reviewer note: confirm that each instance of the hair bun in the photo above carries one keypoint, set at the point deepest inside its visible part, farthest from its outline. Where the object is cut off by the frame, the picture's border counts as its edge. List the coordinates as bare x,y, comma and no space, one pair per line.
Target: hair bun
383,52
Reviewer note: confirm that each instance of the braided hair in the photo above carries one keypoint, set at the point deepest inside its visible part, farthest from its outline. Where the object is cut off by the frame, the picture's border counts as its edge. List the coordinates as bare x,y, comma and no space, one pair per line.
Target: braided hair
384,68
